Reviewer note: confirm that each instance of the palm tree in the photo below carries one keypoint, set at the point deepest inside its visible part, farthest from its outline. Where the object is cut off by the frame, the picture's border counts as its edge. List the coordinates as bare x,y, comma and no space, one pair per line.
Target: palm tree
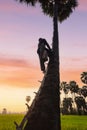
84,77
28,98
81,104
44,113
67,105
65,87
84,91
4,111
74,88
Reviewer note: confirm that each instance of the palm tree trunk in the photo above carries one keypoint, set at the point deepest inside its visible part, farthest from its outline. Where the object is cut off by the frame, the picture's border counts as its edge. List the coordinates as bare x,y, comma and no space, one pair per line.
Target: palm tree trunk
44,113
56,56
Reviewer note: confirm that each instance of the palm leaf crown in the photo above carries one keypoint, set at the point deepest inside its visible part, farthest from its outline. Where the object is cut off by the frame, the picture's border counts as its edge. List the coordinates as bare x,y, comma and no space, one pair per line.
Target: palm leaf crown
65,7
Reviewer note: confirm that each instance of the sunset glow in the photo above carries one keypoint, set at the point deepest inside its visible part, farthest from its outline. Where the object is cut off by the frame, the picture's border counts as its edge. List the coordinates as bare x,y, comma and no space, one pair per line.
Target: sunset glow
20,28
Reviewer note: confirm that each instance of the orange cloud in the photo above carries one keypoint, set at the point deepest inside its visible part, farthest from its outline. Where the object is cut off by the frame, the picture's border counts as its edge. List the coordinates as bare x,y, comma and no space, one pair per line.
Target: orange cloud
19,73
74,63
72,74
13,62
71,68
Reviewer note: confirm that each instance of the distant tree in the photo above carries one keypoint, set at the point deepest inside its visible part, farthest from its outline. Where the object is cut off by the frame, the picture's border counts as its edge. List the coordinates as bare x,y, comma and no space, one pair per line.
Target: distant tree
84,91
4,111
84,77
79,92
28,98
65,87
67,106
74,88
81,105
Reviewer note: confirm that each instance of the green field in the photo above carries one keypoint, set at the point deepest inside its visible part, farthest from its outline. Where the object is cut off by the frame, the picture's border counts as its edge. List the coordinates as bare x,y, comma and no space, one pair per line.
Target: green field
7,121
67,122
74,122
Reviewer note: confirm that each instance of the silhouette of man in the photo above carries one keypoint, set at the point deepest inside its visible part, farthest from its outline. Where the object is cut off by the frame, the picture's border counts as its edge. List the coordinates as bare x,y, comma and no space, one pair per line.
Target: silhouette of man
44,51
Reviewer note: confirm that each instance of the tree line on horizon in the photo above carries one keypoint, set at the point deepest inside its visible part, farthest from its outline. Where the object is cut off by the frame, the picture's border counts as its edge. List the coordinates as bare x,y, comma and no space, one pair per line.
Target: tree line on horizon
75,97
76,103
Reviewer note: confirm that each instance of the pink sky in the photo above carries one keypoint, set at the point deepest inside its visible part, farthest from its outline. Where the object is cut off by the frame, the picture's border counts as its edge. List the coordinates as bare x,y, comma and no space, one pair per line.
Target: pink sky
20,28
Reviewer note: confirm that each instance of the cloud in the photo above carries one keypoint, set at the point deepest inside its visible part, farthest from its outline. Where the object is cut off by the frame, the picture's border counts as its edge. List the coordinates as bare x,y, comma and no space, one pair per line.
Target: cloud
19,8
4,62
69,75
21,73
82,5
18,73
71,68
73,63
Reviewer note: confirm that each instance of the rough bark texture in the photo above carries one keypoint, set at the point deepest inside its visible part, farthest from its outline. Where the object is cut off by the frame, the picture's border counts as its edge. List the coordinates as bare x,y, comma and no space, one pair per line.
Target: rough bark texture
43,114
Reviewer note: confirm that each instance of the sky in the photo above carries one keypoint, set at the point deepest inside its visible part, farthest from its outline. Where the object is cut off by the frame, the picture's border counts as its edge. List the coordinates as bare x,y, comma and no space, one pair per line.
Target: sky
20,28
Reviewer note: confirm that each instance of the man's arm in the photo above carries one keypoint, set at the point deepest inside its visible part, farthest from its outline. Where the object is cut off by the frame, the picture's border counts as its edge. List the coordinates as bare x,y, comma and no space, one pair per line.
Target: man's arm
47,44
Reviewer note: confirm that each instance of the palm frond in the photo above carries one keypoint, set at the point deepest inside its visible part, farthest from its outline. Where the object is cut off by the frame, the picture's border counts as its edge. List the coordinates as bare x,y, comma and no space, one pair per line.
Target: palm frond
31,2
65,7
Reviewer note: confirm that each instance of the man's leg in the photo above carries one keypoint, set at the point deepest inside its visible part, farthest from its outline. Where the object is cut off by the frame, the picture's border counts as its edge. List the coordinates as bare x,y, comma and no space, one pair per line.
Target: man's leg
42,65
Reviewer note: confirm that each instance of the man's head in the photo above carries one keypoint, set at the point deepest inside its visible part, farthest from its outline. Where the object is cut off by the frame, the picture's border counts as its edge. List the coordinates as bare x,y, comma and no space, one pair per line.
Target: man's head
40,39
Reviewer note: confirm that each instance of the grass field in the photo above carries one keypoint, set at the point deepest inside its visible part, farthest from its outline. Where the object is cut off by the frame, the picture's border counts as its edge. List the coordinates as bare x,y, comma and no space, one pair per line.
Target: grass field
67,122
74,122
7,121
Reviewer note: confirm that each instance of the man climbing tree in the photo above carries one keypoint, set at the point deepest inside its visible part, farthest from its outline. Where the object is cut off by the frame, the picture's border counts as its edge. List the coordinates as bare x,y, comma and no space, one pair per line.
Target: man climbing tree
44,113
44,51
